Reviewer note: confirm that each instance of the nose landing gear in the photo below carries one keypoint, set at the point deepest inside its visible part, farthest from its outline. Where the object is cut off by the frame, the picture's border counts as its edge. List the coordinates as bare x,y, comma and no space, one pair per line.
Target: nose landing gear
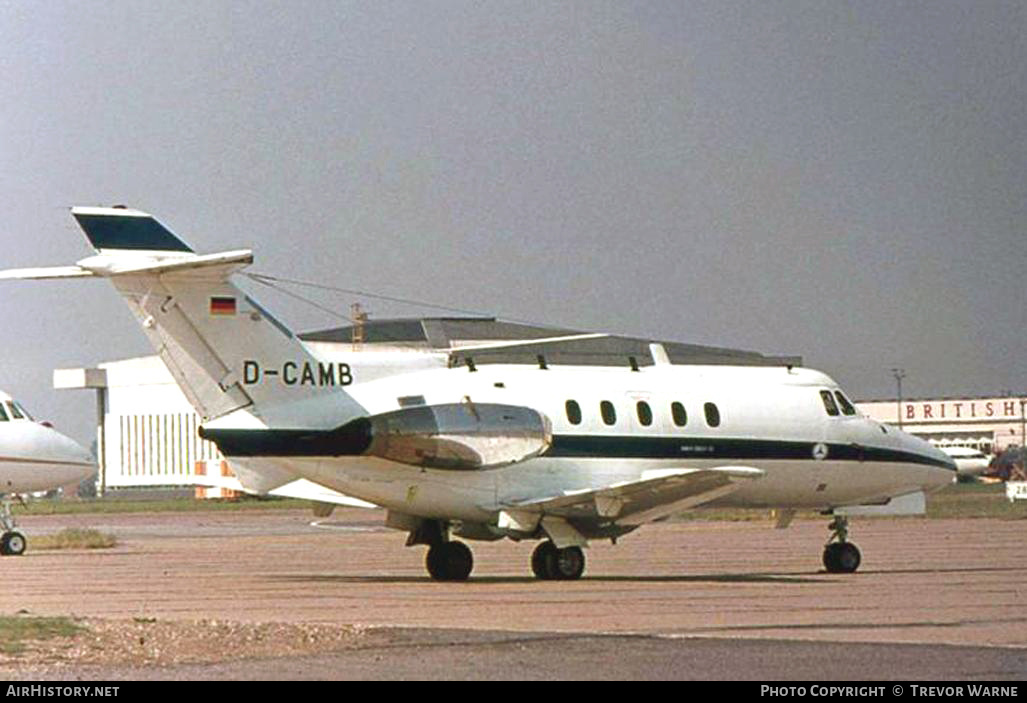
841,556
12,542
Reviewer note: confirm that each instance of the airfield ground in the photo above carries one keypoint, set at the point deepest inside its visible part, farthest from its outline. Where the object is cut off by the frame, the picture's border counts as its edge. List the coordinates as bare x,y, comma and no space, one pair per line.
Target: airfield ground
267,594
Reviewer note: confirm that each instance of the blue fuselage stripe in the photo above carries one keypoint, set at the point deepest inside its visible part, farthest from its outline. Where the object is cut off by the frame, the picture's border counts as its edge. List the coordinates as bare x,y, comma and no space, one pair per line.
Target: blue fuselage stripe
353,442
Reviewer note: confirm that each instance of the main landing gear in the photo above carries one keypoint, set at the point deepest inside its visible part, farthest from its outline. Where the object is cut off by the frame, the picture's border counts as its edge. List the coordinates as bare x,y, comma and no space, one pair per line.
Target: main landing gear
12,542
449,561
551,563
841,556
452,561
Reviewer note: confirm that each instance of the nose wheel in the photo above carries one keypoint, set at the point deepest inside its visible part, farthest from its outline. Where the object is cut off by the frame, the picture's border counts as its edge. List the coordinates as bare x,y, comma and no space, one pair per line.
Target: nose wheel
840,555
12,543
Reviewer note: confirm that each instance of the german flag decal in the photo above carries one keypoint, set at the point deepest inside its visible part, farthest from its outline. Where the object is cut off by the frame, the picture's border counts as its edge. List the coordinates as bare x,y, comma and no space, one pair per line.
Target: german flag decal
222,306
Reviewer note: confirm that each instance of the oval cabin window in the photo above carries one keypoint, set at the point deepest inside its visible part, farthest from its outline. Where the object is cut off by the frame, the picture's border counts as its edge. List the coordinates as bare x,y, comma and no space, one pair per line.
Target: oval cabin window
712,415
645,413
573,412
677,411
607,411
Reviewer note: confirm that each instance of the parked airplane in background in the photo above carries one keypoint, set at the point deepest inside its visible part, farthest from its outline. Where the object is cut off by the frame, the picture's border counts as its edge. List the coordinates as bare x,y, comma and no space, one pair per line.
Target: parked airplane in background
456,443
33,457
969,461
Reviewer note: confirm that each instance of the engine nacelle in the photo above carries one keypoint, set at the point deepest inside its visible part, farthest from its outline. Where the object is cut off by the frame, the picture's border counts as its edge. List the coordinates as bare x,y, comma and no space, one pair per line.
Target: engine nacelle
462,436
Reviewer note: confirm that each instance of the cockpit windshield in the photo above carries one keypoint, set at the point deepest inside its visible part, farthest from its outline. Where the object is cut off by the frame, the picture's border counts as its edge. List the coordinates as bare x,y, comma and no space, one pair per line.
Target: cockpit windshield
843,402
837,404
3,413
14,409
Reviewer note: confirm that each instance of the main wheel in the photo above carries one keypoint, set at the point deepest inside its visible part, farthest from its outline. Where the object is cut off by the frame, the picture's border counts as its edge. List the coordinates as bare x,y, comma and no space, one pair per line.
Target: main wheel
565,564
450,561
539,559
12,544
841,557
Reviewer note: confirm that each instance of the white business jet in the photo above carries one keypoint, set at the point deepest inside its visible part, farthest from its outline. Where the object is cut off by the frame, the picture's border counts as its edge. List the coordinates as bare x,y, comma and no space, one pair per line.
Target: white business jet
459,443
33,457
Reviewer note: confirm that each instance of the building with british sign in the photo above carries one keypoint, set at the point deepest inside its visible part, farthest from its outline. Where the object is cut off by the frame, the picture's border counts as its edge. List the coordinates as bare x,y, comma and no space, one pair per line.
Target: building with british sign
990,424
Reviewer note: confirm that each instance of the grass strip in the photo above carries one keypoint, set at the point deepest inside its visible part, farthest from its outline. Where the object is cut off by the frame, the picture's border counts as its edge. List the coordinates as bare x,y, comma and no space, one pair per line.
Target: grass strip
19,630
75,538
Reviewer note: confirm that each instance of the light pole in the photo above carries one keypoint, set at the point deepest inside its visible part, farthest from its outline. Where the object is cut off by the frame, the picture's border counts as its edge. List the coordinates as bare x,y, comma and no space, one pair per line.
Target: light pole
899,374
1023,441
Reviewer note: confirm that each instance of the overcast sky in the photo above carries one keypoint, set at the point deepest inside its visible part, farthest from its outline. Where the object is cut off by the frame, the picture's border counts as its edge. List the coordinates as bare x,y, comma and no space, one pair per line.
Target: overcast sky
841,181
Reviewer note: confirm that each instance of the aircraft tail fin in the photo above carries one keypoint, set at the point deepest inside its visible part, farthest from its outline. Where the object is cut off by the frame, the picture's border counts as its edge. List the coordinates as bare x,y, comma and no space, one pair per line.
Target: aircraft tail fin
225,351
124,229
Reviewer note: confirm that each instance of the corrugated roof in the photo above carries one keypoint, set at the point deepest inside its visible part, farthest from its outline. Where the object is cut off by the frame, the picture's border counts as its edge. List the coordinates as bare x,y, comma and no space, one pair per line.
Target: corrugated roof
452,333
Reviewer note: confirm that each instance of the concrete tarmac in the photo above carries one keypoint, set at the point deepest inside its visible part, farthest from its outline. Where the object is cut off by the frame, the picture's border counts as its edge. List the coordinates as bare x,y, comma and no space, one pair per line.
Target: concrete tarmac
708,600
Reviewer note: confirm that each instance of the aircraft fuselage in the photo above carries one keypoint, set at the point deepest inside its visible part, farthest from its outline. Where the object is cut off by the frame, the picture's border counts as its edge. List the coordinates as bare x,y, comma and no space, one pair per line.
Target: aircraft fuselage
624,425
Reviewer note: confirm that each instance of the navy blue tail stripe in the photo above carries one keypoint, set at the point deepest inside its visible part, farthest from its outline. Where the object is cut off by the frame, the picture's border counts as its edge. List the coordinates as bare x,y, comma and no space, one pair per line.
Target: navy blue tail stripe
129,232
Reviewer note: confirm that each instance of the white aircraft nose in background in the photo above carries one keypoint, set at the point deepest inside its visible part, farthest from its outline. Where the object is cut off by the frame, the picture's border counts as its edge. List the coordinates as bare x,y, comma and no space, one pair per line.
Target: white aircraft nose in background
33,457
968,461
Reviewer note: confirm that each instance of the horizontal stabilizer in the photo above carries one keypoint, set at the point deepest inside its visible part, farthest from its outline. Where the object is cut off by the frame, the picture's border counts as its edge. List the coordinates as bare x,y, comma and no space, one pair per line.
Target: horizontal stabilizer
46,273
106,266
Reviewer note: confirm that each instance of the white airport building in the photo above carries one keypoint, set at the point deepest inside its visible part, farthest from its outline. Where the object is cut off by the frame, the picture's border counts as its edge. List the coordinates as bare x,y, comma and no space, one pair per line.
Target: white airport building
147,430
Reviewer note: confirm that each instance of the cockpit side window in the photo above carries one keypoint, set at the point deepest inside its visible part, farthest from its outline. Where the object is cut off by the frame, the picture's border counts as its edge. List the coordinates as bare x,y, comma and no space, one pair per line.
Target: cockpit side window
843,402
15,411
3,413
829,404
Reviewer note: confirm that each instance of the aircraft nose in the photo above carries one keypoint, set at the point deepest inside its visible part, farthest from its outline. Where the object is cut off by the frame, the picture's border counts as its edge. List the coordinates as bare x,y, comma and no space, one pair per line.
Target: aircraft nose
942,469
937,455
76,462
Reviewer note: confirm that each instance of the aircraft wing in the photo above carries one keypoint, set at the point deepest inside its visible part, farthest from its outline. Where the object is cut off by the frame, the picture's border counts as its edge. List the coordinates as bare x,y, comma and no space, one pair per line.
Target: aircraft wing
299,488
656,495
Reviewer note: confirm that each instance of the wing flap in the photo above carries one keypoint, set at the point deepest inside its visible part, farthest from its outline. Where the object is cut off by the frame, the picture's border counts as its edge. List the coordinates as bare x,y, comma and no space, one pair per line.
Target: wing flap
655,495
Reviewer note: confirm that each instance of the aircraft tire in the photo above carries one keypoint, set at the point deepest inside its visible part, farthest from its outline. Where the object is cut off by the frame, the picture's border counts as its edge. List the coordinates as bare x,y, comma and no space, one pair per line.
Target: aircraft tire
450,561
841,558
567,564
540,558
12,544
